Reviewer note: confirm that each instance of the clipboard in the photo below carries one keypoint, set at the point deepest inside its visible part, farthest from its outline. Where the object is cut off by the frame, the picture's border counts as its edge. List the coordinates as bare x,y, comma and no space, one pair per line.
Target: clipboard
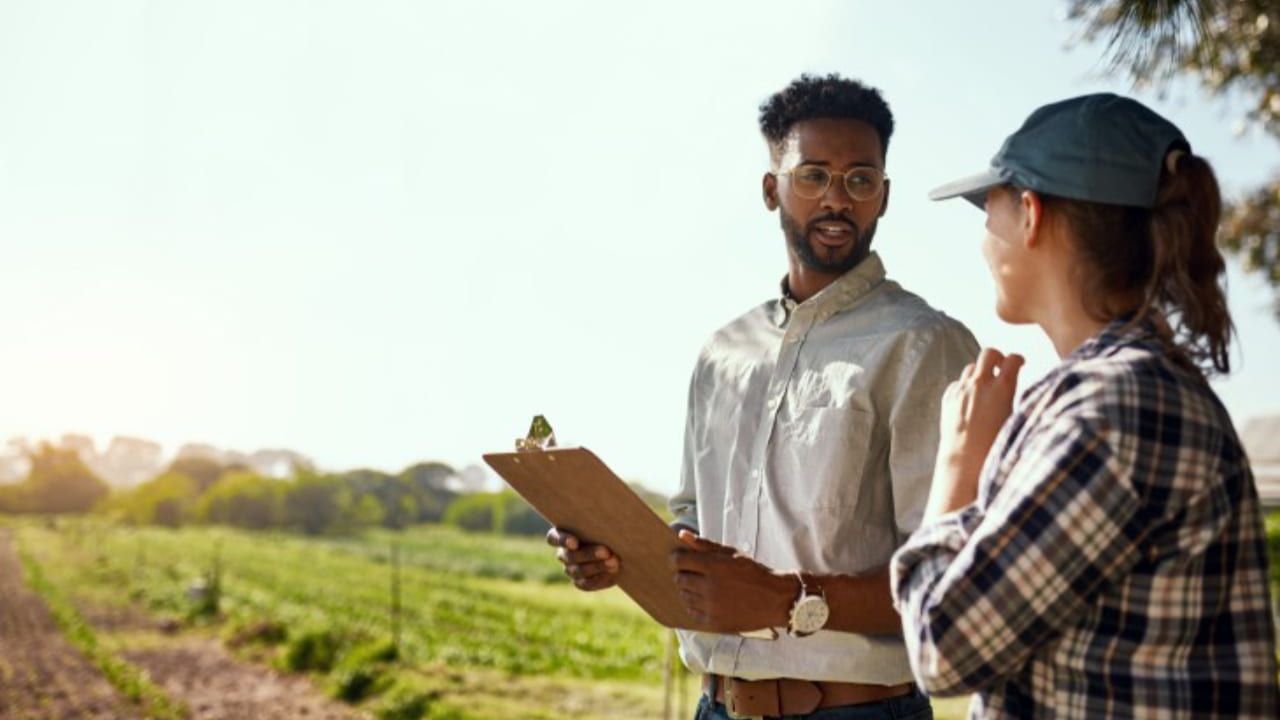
575,491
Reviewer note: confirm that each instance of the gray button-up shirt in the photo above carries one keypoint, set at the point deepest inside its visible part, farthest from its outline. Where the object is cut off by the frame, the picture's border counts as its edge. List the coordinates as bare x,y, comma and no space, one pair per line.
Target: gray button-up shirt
809,444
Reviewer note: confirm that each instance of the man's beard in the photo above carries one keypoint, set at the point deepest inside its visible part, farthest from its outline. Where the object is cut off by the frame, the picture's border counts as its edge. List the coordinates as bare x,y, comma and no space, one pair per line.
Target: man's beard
798,241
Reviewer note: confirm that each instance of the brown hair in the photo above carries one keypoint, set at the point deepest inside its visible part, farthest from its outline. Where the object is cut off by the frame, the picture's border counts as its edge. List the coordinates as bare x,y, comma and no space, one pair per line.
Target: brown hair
1164,258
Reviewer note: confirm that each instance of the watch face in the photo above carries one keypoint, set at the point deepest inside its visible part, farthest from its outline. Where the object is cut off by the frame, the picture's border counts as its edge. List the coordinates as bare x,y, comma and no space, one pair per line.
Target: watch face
810,614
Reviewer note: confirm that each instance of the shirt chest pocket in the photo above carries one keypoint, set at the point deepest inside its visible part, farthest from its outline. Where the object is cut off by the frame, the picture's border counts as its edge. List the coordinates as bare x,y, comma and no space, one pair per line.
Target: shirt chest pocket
821,455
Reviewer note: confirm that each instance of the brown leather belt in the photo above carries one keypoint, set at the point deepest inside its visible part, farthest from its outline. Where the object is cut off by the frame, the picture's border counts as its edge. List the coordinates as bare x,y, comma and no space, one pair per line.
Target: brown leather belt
786,696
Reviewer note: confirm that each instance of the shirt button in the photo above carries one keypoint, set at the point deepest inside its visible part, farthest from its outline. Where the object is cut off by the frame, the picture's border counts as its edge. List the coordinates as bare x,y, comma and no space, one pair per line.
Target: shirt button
773,404
755,473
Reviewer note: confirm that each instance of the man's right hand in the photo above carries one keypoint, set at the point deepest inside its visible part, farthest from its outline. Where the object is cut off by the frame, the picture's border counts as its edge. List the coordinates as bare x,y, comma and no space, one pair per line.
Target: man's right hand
591,567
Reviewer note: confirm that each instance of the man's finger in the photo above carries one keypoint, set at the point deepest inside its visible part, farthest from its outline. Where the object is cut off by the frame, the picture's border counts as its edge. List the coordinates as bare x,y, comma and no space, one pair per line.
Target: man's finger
693,561
590,553
704,545
587,569
559,538
691,582
595,582
692,601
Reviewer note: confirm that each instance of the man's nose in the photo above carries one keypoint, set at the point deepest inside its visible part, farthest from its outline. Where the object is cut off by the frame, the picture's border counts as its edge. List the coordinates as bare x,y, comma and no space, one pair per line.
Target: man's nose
836,198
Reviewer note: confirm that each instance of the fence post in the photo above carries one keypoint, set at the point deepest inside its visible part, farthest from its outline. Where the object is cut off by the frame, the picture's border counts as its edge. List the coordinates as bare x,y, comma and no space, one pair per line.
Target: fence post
395,595
139,559
667,668
682,682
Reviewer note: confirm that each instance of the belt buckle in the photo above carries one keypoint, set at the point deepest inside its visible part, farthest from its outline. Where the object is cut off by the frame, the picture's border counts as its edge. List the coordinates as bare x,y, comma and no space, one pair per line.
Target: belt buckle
730,701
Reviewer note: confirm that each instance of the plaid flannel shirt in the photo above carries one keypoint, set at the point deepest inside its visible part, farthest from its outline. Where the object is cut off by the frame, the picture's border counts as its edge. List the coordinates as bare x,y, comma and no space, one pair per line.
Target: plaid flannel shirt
1114,563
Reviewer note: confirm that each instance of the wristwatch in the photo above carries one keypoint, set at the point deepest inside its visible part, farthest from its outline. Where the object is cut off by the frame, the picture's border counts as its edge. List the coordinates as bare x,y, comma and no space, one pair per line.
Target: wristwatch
809,612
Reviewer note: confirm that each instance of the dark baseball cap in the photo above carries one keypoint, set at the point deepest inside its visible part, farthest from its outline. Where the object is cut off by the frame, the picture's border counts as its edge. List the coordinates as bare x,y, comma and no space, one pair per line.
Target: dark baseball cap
1101,148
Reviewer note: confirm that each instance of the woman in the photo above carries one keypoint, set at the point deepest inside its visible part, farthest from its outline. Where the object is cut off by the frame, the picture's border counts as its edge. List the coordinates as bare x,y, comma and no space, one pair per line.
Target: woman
1099,552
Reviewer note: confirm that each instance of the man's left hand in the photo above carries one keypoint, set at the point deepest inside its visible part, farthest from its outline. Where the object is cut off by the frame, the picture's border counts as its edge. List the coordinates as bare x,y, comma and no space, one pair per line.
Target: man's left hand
728,592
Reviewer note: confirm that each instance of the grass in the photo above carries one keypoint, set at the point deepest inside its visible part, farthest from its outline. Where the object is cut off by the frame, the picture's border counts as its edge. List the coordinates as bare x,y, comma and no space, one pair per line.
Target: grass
124,676
489,627
537,638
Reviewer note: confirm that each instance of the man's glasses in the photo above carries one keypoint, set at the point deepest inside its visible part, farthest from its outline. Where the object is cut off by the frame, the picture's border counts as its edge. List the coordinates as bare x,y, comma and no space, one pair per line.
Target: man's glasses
811,181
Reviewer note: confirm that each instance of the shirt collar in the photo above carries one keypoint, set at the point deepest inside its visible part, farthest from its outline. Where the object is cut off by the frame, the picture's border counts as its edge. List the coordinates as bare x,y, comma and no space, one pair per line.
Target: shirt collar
1124,330
837,297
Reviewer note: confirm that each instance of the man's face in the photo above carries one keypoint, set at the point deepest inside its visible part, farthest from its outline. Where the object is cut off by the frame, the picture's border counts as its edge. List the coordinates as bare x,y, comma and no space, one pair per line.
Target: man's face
831,233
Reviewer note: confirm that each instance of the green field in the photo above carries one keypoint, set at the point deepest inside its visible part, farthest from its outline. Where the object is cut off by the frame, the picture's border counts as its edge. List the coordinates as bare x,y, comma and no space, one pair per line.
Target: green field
489,626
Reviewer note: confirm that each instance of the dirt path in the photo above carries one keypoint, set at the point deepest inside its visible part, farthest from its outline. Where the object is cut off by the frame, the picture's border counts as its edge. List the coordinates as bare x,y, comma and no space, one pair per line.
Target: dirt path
42,676
214,684
217,686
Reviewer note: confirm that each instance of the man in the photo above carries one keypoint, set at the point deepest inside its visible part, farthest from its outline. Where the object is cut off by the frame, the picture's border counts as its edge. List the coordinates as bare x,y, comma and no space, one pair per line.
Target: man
810,440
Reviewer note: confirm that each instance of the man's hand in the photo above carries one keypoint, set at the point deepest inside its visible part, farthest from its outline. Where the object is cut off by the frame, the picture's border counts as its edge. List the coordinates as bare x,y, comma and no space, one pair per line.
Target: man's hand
727,592
973,410
591,567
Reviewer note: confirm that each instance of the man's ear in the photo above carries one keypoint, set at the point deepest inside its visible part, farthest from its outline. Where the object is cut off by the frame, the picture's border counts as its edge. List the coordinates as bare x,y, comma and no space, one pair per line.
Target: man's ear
1032,217
884,201
769,185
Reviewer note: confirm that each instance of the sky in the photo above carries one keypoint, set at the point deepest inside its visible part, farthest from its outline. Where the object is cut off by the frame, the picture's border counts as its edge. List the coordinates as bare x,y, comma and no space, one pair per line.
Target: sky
380,232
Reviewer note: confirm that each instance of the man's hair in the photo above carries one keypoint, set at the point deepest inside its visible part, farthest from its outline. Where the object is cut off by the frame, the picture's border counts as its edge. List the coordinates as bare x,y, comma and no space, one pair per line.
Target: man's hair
810,97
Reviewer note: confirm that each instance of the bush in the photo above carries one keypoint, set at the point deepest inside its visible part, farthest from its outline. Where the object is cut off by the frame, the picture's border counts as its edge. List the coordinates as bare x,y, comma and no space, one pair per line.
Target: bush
311,651
504,512
363,671
317,504
472,512
166,500
258,632
203,471
355,684
244,500
405,704
58,482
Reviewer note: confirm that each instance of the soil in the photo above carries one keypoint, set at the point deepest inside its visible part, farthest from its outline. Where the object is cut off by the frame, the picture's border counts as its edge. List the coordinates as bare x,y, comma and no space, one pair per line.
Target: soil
44,677
217,686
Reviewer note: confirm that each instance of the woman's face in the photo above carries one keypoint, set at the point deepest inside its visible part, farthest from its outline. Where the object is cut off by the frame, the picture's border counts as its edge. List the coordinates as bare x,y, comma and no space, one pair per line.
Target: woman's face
1005,250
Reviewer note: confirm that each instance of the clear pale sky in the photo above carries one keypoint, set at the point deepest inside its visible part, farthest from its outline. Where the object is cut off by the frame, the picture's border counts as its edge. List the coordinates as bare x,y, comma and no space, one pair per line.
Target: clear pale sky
379,232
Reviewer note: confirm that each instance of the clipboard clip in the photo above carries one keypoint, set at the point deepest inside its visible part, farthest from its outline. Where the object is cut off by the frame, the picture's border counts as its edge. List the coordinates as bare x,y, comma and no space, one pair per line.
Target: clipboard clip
540,437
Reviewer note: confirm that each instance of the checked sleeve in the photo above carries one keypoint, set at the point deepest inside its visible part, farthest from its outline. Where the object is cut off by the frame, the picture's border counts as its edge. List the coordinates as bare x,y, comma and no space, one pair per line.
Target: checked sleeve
981,589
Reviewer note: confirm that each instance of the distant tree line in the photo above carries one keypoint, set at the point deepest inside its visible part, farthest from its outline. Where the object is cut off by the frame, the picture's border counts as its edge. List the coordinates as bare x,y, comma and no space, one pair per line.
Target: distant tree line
202,491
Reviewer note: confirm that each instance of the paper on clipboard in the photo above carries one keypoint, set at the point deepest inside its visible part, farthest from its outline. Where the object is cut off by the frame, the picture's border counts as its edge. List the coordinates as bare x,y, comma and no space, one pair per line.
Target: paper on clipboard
574,490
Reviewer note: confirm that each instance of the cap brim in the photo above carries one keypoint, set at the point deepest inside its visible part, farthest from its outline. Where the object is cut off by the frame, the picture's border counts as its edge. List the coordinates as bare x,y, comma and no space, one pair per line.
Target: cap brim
973,188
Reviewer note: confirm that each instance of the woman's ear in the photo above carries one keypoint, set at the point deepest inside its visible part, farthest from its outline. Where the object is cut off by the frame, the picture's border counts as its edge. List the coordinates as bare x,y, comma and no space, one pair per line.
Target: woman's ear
1032,208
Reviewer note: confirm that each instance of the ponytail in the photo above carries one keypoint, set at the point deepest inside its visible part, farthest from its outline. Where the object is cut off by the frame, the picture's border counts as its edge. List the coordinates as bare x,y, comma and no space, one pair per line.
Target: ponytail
1164,262
1183,292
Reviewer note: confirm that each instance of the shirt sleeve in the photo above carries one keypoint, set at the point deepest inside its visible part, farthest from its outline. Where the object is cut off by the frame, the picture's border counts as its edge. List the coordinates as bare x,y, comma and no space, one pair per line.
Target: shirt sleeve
980,590
938,359
684,504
